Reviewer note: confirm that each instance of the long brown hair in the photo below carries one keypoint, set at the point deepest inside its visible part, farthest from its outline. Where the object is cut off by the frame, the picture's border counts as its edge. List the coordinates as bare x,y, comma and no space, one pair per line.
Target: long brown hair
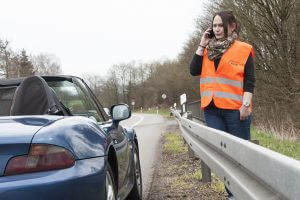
228,19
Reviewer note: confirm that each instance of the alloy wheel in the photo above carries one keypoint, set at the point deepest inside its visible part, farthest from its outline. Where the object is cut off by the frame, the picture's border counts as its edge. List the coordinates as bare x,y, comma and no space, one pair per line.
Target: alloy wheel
110,192
138,173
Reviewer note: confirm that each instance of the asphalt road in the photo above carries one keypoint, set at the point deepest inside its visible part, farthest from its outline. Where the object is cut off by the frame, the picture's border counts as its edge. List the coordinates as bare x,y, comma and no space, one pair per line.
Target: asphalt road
149,129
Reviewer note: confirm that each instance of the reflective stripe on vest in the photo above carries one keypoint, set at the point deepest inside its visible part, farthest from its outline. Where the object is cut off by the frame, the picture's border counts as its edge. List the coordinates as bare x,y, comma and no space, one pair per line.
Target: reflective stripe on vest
228,96
226,81
207,80
206,94
222,95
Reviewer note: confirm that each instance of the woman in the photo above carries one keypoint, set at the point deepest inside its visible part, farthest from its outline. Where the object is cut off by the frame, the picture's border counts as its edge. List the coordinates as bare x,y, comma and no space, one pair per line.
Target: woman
227,81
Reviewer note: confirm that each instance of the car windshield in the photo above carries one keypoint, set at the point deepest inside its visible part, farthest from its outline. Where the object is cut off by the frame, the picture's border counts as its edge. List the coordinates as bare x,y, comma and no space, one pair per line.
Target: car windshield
74,98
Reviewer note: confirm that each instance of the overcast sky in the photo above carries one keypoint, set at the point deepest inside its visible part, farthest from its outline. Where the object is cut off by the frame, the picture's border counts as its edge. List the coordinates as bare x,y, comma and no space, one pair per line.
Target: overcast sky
89,36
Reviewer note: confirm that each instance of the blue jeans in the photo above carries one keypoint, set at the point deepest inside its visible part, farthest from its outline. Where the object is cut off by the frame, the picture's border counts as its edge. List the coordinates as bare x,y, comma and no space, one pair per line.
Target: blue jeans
228,121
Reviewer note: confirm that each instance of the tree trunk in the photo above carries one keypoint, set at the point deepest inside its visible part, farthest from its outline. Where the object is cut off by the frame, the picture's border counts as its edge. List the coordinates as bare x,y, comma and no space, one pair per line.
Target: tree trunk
297,33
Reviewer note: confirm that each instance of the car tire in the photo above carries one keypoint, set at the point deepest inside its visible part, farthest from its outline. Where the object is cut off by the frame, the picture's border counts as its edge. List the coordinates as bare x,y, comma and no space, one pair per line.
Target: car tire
137,190
110,186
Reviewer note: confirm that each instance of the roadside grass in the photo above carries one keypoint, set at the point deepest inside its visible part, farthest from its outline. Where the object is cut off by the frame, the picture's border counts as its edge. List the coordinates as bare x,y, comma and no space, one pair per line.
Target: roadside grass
218,184
197,174
174,144
180,184
185,176
283,146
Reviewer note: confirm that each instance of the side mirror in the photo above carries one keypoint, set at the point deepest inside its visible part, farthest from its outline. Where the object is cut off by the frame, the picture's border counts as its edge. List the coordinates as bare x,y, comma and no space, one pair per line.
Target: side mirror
120,112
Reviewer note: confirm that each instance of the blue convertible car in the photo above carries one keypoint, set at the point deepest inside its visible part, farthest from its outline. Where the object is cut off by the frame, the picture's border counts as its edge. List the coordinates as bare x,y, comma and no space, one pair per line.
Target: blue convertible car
57,143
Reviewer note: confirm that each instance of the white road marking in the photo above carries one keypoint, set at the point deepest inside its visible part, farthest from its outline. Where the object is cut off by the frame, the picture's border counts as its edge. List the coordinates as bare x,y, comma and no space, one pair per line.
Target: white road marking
137,123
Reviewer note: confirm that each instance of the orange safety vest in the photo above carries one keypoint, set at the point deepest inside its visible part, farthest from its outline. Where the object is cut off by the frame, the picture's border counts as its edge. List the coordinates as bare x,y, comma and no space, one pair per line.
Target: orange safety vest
225,85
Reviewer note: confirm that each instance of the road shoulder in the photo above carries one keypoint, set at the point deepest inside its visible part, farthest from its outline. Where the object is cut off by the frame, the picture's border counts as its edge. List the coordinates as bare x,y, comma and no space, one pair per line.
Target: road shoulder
176,176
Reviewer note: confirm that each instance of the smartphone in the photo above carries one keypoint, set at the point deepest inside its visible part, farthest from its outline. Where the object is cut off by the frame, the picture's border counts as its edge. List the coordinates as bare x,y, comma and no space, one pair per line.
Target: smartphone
211,34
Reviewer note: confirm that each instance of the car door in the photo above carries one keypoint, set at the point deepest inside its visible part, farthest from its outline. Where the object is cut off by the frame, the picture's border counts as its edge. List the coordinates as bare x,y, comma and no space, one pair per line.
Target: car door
118,135
122,148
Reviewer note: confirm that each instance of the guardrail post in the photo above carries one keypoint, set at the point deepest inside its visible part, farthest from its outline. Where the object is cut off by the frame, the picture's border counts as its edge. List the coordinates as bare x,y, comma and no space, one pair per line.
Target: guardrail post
206,173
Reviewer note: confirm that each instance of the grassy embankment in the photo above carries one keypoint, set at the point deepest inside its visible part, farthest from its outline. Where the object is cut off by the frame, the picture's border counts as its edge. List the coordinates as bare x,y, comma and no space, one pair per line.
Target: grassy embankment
283,146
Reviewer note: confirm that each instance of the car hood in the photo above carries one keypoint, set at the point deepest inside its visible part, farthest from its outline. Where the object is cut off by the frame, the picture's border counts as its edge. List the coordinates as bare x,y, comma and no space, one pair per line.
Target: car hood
16,134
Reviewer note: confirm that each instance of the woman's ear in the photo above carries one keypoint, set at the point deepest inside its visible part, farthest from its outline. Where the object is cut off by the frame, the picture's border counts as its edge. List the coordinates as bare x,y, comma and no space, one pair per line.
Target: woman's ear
232,27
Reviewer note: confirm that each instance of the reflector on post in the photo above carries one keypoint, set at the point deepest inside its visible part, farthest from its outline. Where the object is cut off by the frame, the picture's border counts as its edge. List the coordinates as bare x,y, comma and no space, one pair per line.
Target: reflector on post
183,103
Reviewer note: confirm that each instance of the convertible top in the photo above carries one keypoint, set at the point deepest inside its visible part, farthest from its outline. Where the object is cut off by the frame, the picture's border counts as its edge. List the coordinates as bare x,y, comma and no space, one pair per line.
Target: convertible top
33,96
17,81
10,82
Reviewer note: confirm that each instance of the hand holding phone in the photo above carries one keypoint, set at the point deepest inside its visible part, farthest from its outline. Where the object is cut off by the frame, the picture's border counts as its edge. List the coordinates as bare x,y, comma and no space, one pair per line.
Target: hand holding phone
211,34
205,37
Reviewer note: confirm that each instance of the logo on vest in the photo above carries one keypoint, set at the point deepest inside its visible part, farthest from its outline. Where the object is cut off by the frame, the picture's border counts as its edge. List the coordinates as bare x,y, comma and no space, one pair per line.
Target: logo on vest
235,64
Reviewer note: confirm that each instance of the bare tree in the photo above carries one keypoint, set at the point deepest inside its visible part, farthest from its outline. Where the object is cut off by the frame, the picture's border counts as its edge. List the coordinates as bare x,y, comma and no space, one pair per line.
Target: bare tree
46,64
270,27
5,56
112,86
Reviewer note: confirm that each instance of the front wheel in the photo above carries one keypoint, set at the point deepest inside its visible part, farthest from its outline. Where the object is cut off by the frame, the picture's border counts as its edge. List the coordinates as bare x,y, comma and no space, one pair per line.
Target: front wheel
110,185
136,192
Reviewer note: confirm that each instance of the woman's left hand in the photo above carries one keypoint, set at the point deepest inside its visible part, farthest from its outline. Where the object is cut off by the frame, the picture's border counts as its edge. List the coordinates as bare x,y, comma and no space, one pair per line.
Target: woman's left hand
244,112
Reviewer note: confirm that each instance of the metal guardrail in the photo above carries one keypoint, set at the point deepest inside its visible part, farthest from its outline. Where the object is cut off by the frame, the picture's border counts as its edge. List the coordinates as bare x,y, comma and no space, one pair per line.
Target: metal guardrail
248,170
194,107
